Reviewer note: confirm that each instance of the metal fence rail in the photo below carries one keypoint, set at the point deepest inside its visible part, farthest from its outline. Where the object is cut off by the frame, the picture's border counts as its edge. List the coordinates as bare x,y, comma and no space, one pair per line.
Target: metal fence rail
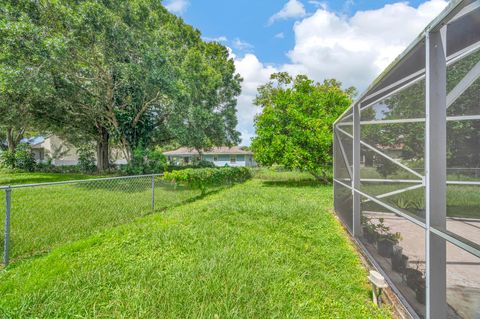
39,217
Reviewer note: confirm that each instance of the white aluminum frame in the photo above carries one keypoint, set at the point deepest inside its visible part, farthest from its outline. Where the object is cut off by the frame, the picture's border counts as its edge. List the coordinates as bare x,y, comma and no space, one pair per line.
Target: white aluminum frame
434,181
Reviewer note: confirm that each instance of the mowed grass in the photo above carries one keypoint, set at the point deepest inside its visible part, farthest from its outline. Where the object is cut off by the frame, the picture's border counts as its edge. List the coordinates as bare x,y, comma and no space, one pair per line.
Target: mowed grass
16,178
262,249
44,217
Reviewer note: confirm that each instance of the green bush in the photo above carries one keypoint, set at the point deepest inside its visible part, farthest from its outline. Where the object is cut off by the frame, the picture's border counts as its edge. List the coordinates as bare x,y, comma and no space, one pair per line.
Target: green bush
205,164
145,162
202,178
7,159
21,159
86,159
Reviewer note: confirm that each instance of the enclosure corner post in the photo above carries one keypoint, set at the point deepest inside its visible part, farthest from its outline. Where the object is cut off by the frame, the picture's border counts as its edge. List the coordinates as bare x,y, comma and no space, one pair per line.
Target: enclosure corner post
357,227
153,192
6,242
435,170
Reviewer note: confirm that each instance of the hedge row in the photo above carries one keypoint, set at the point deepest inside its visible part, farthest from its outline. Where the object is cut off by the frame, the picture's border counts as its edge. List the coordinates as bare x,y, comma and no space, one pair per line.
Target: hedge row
209,177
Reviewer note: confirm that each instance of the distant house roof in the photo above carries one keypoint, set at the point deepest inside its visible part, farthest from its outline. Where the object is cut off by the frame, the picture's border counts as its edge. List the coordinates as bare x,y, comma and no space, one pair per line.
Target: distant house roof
213,150
34,140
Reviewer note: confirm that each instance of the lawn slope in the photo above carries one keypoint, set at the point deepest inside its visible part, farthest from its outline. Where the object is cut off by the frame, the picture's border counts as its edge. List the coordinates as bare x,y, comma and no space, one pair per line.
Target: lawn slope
9,178
263,249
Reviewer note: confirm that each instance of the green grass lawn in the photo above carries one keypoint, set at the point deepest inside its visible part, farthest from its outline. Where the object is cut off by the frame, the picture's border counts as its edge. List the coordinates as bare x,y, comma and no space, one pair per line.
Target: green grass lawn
16,178
268,248
44,217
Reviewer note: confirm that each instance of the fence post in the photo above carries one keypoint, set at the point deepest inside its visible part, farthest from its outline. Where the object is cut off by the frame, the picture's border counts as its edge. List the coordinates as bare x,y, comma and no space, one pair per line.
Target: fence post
153,192
6,242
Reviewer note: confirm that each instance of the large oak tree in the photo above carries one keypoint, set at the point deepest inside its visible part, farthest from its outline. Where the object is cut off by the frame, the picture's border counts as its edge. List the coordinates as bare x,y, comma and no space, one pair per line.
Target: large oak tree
132,75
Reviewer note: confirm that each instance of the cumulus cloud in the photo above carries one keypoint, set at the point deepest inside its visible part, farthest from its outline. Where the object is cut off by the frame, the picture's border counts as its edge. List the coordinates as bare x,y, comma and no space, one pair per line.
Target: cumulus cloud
242,45
355,49
351,49
292,9
177,6
221,38
280,35
318,3
254,74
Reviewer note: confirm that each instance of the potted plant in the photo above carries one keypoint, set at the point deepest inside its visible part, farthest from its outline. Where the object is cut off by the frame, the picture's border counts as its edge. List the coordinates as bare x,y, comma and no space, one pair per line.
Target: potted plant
386,240
413,276
420,291
369,230
399,260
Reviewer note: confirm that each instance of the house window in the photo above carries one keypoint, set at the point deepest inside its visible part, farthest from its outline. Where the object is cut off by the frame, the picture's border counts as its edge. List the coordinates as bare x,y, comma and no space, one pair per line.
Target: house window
233,159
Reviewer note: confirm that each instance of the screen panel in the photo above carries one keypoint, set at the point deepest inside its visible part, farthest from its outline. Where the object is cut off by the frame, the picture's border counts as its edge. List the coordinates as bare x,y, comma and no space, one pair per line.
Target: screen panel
344,204
463,283
398,247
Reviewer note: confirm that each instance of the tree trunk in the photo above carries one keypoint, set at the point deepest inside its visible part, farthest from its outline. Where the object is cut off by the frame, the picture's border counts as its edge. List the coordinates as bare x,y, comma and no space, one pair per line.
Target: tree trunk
321,178
11,140
103,160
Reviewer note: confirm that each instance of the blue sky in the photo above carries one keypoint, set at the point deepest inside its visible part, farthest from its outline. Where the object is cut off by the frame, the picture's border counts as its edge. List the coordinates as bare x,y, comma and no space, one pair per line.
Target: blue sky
350,40
248,21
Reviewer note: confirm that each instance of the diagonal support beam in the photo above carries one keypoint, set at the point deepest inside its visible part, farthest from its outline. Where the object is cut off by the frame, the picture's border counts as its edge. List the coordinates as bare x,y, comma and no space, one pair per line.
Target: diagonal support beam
463,85
344,155
398,191
384,155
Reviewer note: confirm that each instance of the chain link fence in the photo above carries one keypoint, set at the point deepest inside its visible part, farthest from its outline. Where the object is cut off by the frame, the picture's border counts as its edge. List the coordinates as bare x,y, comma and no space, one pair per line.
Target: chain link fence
38,217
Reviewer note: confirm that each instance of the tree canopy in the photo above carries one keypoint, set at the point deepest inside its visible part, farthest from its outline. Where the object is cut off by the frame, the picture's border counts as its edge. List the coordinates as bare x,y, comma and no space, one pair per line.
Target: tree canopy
127,74
294,128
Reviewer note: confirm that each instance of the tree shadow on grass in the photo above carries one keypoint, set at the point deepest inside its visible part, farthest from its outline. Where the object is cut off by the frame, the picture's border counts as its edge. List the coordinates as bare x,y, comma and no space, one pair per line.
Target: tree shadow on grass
294,183
192,199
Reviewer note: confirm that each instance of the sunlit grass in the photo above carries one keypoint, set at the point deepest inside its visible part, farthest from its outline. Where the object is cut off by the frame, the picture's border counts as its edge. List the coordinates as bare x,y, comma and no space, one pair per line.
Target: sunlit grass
44,217
257,250
15,178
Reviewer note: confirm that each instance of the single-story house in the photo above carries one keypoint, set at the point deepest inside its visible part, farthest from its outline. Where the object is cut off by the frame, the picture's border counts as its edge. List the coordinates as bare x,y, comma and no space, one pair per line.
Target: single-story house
220,156
59,152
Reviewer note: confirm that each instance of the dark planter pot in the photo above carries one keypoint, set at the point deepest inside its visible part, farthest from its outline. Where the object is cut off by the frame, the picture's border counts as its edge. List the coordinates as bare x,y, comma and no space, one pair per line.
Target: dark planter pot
420,292
414,276
385,248
399,260
369,235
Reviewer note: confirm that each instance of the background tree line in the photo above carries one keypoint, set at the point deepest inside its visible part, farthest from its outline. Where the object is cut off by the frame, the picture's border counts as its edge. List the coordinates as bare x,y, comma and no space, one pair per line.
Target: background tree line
126,74
463,136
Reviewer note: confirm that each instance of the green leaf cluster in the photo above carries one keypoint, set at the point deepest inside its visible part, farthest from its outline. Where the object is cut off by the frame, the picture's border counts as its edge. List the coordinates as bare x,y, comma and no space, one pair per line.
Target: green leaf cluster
123,74
204,178
294,128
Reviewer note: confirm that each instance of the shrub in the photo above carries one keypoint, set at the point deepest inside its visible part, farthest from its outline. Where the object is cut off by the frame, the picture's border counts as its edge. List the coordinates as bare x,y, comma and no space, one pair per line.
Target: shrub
156,162
86,159
205,164
145,162
7,159
21,159
202,178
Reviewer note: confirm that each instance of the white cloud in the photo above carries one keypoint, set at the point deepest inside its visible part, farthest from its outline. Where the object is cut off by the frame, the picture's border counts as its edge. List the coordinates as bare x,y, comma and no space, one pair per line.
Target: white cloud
254,74
292,9
330,45
318,4
216,39
242,45
355,49
279,35
177,6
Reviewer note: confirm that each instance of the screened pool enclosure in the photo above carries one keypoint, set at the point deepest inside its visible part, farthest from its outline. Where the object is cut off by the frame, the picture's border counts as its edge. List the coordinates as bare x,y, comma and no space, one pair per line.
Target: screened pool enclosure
407,168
